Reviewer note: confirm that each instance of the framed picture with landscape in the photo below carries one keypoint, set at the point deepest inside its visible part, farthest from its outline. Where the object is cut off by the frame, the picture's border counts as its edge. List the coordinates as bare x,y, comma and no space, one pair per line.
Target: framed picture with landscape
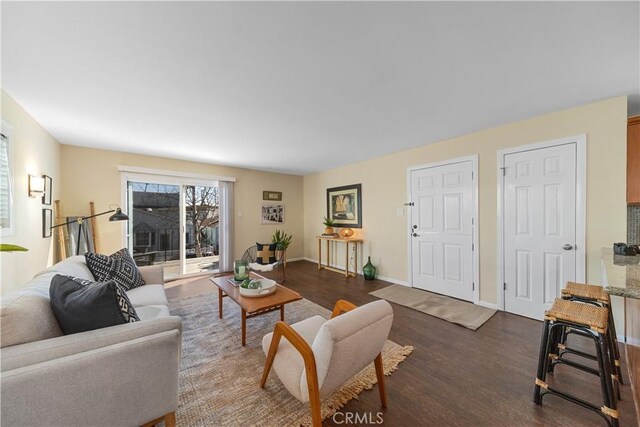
344,205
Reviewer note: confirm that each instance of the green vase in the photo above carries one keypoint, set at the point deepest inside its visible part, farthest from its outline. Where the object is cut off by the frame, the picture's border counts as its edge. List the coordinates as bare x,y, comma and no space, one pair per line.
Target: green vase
369,270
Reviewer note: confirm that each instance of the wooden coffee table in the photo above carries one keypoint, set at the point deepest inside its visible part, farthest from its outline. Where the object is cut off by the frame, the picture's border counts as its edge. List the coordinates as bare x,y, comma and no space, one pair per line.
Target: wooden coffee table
252,307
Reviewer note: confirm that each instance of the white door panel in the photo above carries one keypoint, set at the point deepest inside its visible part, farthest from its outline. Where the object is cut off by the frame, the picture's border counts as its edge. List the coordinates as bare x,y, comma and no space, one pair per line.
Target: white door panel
539,220
442,256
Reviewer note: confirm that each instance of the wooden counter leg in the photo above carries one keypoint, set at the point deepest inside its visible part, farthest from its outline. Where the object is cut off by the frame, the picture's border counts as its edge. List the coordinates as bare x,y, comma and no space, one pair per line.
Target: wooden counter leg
244,327
355,268
346,260
328,254
219,303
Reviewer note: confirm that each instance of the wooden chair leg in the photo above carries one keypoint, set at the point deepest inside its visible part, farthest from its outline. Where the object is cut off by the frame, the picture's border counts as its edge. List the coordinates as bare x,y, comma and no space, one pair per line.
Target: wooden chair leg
380,375
314,392
273,347
316,416
170,420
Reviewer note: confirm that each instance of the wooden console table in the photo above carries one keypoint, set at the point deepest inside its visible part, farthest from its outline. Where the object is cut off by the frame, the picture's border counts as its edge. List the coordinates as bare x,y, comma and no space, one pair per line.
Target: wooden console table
347,242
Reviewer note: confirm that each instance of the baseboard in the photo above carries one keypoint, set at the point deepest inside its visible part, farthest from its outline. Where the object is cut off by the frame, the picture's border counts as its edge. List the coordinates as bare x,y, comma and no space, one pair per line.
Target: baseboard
394,281
384,278
487,304
300,258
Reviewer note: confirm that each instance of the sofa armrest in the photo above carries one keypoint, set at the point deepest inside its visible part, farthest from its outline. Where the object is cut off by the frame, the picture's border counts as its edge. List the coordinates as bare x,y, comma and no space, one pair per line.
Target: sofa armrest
152,274
21,355
124,384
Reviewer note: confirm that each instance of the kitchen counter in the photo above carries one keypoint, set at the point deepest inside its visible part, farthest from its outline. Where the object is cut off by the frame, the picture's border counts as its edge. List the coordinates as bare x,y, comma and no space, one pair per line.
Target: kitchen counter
621,274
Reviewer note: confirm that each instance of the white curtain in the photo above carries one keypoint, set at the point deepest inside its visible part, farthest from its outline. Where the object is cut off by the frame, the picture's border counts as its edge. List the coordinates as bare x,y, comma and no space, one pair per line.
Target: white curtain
226,225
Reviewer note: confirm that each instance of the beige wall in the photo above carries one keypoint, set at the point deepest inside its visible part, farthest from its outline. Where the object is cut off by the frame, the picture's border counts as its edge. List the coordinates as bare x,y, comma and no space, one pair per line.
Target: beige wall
35,152
92,175
384,187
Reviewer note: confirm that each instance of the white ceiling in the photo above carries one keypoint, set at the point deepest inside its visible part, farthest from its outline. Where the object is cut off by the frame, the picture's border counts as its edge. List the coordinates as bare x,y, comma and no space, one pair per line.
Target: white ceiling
304,87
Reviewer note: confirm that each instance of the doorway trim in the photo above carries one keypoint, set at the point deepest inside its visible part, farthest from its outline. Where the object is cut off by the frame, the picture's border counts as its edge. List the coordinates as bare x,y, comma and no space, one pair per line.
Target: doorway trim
475,240
581,205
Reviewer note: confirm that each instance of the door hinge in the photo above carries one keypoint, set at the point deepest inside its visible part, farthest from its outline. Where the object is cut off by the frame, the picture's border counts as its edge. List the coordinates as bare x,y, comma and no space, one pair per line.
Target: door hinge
473,247
471,175
504,170
473,221
473,286
504,286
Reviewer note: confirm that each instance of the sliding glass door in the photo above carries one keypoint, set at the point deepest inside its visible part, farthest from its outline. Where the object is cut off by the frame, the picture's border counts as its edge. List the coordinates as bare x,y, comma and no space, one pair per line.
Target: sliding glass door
174,225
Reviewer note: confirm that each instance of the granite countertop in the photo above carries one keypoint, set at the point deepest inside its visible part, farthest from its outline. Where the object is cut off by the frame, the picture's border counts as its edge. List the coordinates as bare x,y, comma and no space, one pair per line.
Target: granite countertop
621,274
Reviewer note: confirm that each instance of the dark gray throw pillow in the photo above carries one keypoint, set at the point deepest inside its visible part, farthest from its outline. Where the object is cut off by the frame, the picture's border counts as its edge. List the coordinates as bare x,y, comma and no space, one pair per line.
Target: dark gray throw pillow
82,305
119,266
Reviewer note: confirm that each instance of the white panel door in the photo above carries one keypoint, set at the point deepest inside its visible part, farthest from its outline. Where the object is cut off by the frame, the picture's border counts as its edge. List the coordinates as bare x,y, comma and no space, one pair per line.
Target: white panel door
539,227
442,229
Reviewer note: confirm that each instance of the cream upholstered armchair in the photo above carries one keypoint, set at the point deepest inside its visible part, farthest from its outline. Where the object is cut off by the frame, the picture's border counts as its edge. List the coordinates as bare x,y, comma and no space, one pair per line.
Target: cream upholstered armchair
317,355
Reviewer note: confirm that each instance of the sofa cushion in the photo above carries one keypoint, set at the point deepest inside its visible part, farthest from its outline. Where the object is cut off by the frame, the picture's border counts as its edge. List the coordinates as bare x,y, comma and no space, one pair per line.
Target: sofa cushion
118,266
26,316
151,312
73,266
81,305
147,295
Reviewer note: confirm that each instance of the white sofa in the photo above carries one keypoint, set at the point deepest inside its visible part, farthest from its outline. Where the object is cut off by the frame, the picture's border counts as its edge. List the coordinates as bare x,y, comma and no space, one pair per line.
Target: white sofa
124,375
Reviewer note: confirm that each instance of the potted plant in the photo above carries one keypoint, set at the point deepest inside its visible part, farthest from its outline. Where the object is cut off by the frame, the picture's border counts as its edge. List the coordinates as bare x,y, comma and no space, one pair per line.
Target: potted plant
282,241
328,224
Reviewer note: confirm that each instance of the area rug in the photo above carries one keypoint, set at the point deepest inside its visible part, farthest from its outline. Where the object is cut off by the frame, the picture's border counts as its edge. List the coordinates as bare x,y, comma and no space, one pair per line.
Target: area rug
463,313
220,379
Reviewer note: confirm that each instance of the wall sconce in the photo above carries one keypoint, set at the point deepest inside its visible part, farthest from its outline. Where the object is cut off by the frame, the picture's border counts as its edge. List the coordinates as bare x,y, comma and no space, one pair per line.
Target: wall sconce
36,186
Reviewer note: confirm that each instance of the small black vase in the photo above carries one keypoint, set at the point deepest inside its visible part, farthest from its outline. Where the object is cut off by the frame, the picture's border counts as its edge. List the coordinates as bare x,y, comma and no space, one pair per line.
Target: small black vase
369,270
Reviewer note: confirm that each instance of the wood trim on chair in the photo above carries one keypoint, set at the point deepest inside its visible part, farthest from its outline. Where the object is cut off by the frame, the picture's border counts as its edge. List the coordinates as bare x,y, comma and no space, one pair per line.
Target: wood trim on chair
169,420
283,330
342,306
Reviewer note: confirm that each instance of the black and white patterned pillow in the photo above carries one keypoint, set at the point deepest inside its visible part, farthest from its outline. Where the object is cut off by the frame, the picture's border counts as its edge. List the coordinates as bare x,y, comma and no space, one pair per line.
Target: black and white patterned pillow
82,305
126,308
118,266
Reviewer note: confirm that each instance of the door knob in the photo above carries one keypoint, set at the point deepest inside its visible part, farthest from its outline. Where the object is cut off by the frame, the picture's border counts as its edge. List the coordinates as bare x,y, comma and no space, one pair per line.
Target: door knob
567,247
415,235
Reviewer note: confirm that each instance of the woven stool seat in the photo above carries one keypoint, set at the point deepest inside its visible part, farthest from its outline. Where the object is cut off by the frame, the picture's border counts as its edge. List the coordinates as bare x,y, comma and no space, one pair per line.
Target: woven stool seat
580,290
594,317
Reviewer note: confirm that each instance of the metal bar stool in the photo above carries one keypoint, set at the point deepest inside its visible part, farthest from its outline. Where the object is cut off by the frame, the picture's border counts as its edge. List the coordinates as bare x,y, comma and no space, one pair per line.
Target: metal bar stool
593,294
593,322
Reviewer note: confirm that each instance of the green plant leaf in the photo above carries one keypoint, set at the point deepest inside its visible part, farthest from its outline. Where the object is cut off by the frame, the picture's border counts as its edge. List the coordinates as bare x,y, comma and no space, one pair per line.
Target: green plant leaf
281,239
7,247
328,222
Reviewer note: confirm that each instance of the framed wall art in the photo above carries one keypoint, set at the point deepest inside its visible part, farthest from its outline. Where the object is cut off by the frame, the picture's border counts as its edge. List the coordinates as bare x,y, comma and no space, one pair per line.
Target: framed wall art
275,196
272,214
48,190
344,205
47,222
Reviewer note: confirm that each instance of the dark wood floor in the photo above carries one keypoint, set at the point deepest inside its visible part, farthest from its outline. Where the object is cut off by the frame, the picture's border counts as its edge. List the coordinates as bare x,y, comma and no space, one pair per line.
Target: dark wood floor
455,376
